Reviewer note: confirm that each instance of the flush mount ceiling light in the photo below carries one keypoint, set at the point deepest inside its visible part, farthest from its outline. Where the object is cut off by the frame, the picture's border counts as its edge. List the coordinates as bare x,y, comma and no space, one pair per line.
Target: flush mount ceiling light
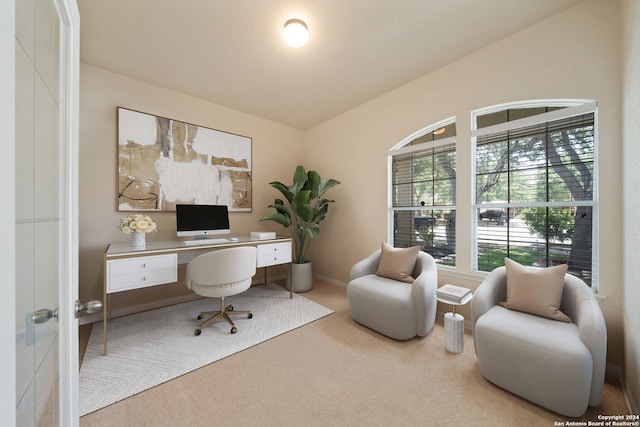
295,33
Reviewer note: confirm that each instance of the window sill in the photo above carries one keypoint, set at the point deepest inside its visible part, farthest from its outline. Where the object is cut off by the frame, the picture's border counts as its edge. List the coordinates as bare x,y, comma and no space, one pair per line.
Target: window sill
451,272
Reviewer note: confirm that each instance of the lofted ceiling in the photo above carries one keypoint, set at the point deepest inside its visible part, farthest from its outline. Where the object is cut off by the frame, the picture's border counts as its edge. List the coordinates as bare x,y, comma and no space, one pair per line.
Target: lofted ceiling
231,52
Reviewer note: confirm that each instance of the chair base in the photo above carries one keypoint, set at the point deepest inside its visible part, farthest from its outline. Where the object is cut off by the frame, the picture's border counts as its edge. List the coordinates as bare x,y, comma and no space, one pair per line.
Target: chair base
223,313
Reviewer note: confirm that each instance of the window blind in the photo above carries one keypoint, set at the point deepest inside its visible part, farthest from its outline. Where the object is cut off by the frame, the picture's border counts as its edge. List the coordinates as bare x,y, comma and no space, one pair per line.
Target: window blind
541,177
423,198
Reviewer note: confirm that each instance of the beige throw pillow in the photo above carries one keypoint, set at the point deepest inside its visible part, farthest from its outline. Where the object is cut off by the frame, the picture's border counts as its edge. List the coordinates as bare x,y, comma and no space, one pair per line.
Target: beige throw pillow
535,290
398,263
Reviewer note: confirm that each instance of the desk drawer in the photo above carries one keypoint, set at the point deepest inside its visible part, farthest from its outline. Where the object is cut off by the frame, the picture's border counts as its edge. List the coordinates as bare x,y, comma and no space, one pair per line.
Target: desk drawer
274,254
134,273
126,282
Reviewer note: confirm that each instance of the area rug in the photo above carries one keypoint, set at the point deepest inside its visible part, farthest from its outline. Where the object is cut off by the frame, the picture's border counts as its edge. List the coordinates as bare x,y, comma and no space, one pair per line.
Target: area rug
150,348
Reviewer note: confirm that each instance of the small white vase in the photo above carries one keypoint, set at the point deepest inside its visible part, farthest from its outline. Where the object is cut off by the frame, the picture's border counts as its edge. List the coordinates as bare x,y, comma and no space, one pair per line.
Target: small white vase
138,240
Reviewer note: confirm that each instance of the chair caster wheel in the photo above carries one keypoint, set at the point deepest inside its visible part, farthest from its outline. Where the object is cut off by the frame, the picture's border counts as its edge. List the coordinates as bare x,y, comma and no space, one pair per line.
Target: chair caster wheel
250,316
197,332
234,330
199,317
230,308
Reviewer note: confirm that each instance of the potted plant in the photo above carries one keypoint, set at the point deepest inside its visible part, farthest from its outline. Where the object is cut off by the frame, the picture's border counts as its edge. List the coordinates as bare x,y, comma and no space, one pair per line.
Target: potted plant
302,214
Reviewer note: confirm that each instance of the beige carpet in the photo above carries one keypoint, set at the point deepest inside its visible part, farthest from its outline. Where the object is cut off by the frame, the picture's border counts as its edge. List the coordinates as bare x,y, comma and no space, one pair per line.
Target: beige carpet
150,348
334,372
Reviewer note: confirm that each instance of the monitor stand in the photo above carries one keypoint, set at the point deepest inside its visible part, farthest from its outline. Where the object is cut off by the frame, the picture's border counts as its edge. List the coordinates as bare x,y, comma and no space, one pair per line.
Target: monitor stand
201,237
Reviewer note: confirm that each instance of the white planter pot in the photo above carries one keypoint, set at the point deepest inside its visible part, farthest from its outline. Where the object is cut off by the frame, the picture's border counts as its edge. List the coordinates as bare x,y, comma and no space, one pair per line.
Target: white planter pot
302,277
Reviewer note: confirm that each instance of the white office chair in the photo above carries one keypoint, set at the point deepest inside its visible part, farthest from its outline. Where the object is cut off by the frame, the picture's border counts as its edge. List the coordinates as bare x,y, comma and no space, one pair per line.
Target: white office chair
219,274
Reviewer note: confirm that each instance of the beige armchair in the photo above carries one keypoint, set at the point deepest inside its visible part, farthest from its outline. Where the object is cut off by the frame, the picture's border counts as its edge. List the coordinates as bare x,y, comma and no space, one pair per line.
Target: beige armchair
219,274
556,364
397,309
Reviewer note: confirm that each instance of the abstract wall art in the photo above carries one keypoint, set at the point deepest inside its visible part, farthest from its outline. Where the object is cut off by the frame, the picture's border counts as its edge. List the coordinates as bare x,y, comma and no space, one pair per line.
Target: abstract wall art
163,162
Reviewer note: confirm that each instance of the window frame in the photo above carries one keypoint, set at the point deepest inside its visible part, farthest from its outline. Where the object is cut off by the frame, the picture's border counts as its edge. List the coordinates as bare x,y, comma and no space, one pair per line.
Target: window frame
404,147
571,108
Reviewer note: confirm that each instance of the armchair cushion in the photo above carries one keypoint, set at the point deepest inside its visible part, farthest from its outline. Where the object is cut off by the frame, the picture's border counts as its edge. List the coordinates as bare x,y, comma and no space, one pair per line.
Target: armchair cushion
397,263
535,290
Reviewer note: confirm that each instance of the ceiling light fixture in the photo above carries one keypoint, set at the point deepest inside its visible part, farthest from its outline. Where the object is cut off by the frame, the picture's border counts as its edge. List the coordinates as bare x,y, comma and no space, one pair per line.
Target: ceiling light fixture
295,33
439,131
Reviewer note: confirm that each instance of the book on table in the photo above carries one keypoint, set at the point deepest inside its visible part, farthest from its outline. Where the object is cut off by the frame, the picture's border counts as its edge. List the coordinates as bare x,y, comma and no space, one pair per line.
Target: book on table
453,293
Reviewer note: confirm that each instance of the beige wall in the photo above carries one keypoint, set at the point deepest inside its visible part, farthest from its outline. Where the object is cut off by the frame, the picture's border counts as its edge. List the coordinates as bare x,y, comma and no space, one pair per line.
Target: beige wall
276,150
575,54
631,155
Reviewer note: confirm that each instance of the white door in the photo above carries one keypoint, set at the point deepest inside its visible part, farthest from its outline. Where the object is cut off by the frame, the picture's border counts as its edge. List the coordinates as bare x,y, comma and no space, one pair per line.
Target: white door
7,216
45,222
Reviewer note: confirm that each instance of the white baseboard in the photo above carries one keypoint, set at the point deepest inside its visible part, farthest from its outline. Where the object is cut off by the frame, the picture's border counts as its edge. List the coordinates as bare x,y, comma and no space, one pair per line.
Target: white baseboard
617,372
633,408
329,280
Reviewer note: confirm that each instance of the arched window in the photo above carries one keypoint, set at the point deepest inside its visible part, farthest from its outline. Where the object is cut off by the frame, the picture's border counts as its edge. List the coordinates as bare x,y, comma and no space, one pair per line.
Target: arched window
422,206
535,186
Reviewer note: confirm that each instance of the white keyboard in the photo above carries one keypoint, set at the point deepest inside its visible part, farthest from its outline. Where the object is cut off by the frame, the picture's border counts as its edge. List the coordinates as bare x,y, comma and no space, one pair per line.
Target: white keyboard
203,242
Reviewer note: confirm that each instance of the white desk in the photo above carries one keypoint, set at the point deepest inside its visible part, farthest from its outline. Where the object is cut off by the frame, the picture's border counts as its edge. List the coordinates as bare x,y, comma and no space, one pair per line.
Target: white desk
127,268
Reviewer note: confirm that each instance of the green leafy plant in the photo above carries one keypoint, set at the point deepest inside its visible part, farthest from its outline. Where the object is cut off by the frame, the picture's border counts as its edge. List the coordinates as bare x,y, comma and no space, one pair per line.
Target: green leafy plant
426,233
556,223
304,209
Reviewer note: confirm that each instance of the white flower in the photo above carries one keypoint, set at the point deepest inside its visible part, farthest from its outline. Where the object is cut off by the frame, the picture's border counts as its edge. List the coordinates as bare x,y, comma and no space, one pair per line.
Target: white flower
137,224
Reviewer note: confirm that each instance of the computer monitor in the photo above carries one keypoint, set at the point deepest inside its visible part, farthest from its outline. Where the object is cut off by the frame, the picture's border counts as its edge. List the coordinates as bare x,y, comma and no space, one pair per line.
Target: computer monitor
202,220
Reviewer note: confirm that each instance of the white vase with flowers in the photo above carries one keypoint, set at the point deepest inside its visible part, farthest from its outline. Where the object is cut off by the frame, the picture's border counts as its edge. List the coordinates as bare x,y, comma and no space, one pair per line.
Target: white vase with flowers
138,226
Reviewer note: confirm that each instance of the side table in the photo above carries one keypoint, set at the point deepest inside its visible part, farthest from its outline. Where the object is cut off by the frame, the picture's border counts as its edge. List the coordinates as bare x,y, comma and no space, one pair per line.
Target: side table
454,325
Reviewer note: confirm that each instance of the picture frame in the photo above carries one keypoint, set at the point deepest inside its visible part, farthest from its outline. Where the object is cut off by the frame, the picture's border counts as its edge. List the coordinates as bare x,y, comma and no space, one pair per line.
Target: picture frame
163,162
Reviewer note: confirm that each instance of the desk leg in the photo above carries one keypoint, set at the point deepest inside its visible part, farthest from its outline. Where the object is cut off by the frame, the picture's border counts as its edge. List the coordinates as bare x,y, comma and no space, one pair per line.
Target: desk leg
290,282
106,309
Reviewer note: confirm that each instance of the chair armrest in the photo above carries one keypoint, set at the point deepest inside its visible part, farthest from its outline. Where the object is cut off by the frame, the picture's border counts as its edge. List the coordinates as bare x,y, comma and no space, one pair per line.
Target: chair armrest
369,265
423,291
427,276
580,304
490,292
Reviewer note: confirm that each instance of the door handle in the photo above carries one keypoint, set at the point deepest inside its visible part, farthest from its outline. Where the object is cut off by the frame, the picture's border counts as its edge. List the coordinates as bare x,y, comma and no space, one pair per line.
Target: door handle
93,306
43,315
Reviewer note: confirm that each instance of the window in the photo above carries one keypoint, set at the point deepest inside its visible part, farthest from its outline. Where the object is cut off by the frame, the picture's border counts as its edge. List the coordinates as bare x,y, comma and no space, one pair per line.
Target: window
535,187
423,192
